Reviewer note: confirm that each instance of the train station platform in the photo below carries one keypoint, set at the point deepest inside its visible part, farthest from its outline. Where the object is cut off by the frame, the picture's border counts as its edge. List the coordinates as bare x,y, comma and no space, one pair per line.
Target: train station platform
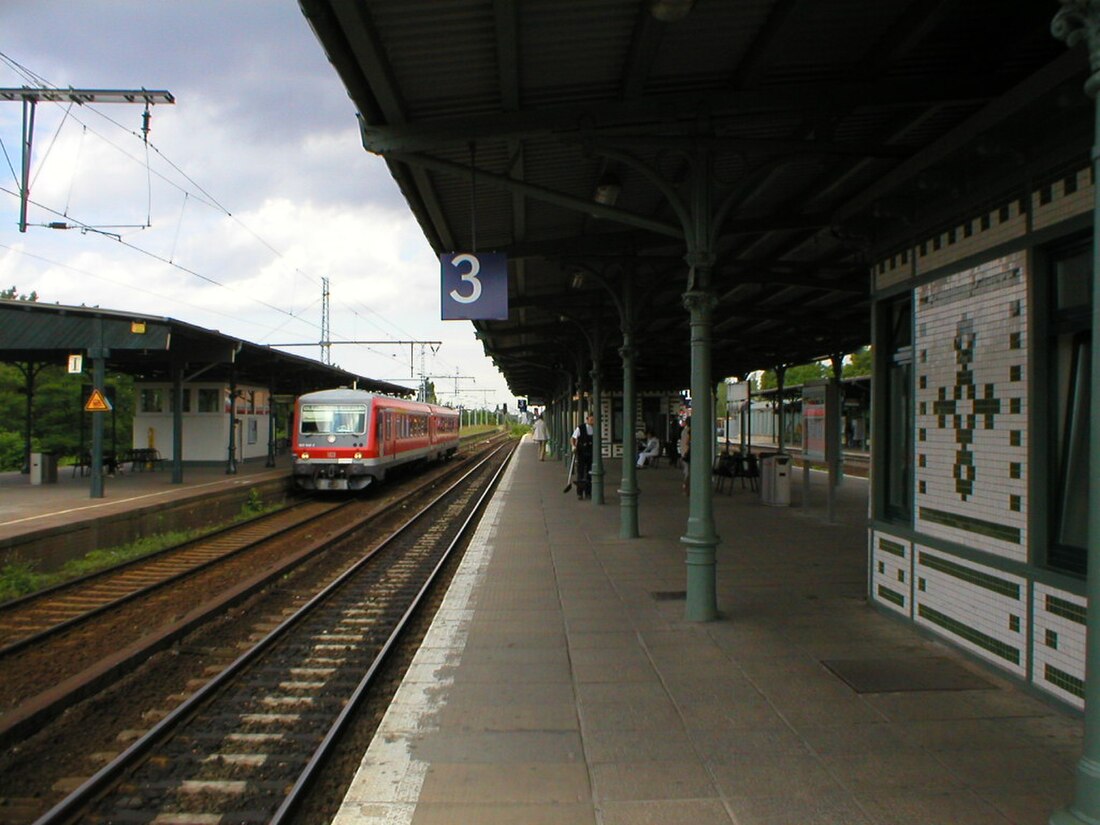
43,515
559,683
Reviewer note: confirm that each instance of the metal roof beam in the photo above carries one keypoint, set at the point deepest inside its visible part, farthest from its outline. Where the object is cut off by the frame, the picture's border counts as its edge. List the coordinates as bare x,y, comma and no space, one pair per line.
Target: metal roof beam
670,111
545,195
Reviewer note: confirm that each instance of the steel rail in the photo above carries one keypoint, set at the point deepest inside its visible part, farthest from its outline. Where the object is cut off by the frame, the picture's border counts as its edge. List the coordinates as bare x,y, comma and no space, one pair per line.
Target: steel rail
309,772
73,804
67,624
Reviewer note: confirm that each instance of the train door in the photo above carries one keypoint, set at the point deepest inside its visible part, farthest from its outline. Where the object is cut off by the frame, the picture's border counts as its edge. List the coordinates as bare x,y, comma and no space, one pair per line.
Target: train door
386,431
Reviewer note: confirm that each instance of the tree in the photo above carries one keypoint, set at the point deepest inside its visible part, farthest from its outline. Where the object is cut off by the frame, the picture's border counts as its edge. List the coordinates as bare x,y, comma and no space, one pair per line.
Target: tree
13,294
859,363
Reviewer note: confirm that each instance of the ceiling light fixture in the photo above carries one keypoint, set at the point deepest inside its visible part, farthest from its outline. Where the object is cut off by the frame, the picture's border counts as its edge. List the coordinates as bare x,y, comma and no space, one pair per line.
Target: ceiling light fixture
670,11
607,190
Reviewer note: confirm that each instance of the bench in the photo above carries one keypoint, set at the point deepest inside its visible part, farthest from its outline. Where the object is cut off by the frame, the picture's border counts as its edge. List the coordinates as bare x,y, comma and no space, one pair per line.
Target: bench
142,459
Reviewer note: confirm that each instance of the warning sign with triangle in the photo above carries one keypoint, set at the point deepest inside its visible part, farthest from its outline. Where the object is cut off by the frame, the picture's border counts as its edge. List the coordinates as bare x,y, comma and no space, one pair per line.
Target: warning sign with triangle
97,403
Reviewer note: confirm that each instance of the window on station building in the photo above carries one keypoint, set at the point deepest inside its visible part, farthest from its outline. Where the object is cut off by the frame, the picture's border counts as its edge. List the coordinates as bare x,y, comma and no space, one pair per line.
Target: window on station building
210,400
1069,342
895,502
151,400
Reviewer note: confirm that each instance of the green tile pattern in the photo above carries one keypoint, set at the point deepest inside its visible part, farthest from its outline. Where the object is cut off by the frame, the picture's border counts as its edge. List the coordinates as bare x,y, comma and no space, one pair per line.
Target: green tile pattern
1004,532
1066,609
972,635
891,596
1068,683
892,547
998,585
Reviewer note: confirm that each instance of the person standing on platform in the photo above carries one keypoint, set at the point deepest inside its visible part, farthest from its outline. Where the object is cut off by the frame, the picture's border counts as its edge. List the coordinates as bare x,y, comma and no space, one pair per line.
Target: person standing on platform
685,453
541,436
582,446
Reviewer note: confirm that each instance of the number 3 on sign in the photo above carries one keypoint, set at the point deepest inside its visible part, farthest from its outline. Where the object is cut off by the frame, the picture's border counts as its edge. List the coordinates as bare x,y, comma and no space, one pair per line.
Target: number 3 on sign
474,286
468,277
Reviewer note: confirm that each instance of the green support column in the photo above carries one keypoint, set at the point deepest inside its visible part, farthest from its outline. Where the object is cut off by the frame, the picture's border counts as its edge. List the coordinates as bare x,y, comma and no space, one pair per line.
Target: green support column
231,459
1079,21
99,380
177,424
628,492
597,439
701,539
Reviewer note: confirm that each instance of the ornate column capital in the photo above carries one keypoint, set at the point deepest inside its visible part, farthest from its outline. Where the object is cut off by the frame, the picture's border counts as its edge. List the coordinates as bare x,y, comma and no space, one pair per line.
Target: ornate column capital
626,352
700,300
1079,21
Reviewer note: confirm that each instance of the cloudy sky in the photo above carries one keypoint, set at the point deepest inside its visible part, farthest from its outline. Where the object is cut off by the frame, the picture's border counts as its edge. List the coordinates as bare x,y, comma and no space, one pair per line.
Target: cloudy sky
253,187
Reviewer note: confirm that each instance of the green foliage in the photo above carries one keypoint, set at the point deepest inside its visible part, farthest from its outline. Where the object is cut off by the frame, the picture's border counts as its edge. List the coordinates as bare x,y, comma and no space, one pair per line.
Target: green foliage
13,294
58,422
859,363
519,430
17,580
796,375
255,503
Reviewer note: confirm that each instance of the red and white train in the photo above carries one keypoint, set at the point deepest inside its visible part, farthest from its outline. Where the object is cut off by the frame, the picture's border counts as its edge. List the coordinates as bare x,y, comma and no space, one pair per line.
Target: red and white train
346,439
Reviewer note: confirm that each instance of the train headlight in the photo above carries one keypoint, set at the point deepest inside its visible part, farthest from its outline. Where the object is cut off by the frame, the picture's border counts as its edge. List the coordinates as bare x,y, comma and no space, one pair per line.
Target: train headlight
304,456
358,455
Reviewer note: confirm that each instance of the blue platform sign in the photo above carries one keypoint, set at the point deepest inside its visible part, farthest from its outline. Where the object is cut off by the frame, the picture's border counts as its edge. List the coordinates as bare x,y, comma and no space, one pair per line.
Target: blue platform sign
474,286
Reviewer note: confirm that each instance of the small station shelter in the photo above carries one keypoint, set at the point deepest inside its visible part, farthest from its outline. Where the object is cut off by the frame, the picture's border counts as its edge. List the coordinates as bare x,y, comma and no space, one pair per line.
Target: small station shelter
202,396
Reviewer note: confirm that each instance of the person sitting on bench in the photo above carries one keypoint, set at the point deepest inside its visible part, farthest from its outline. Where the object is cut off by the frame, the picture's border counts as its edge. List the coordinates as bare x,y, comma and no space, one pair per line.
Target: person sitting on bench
651,450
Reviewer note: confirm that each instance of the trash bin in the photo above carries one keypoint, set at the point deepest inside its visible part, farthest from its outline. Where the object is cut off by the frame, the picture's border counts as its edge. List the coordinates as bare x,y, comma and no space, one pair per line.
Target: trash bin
43,468
775,480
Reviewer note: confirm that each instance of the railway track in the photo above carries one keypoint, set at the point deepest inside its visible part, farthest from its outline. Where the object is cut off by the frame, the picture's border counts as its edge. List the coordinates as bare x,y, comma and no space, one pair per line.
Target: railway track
248,744
132,612
32,619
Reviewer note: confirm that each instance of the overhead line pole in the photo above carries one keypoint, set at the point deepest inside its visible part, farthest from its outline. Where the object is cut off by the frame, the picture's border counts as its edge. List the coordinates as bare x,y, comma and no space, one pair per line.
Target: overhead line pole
30,97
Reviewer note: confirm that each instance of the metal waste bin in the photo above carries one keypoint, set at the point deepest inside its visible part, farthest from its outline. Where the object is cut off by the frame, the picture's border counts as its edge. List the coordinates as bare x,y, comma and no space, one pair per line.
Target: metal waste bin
43,468
775,480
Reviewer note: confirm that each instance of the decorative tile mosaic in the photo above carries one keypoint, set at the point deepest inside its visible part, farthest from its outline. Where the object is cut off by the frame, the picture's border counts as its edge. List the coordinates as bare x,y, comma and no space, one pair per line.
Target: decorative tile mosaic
972,407
892,561
979,608
1059,647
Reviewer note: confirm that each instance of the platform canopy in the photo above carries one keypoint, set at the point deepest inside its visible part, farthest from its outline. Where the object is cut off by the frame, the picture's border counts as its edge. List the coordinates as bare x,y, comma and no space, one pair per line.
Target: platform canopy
564,133
150,347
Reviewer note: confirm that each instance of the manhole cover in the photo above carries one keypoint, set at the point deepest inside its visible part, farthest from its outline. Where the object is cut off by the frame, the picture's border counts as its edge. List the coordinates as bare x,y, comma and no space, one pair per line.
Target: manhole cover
897,675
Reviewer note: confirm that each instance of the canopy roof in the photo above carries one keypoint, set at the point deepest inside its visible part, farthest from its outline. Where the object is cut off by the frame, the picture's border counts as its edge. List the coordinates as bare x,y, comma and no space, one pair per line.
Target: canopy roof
149,348
835,132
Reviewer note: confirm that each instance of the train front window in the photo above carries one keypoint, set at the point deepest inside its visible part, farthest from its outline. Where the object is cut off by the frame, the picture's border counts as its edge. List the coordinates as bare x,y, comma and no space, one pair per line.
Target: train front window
325,419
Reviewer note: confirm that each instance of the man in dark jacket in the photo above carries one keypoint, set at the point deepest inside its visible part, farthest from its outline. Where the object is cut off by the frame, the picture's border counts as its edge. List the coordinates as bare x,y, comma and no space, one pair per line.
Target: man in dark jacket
582,446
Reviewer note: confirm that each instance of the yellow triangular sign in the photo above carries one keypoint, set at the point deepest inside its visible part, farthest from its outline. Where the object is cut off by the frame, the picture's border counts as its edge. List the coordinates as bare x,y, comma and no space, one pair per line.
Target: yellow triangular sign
97,403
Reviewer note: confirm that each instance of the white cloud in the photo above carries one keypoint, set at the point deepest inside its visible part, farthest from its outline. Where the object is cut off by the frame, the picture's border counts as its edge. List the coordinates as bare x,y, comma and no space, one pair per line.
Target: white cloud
263,127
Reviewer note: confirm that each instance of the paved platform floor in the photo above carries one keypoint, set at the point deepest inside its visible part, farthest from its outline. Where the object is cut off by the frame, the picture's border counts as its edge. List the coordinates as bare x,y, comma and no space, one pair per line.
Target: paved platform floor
560,684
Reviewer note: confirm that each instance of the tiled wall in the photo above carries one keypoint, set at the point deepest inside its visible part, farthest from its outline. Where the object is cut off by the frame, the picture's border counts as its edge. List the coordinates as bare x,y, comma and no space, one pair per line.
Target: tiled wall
979,608
1059,653
891,574
971,349
971,441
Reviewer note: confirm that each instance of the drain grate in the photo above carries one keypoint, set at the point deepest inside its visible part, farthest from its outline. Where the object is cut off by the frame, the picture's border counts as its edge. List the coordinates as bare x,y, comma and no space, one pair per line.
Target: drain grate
898,675
669,595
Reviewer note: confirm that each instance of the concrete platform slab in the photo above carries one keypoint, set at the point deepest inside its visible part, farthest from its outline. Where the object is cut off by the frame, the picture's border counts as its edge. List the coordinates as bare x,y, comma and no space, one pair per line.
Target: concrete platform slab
560,682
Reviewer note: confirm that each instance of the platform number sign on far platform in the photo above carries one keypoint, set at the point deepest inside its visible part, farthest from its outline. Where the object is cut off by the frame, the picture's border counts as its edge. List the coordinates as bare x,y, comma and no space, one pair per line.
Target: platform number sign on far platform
474,286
